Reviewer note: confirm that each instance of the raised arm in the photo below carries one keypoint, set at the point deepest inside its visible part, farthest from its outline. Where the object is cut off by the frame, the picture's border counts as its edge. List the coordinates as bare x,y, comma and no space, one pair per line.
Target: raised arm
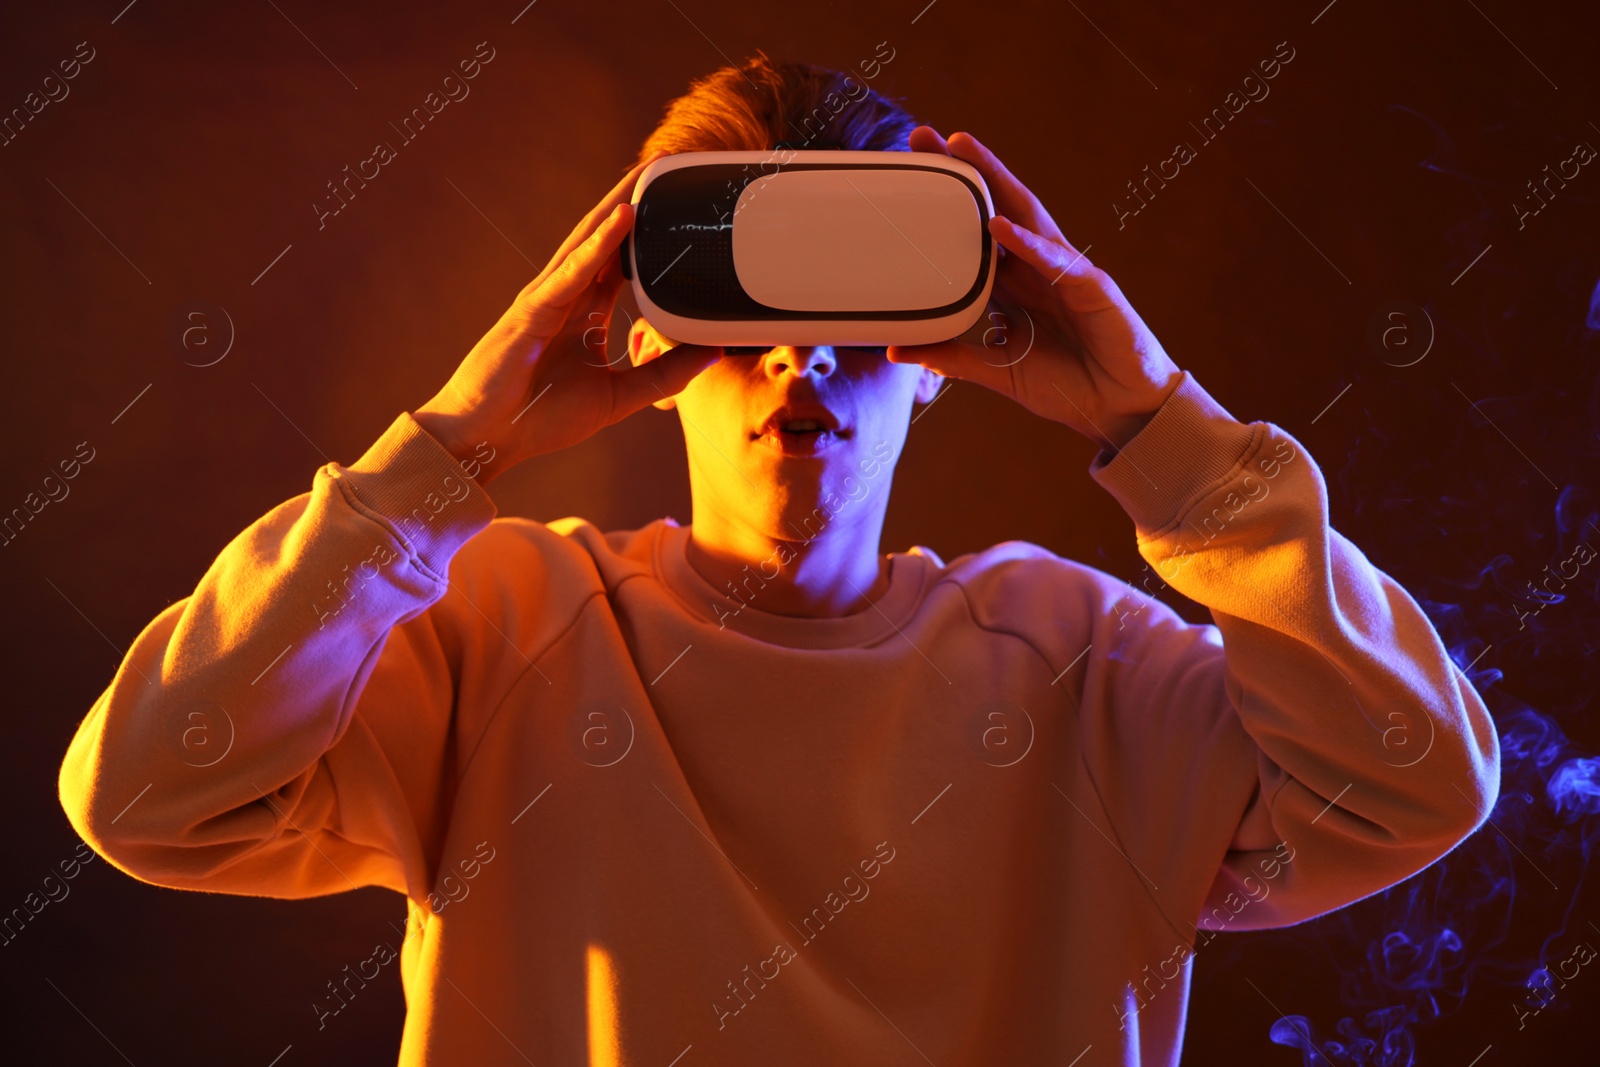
284,729
1316,744
281,730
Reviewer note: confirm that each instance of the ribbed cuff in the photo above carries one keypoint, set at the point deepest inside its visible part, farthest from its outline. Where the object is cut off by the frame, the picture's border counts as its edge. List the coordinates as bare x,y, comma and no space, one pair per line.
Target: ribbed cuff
410,482
1186,449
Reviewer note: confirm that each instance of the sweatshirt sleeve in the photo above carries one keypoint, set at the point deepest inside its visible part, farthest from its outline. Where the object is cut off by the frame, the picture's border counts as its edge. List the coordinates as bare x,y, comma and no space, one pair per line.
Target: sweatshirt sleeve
283,730
1314,746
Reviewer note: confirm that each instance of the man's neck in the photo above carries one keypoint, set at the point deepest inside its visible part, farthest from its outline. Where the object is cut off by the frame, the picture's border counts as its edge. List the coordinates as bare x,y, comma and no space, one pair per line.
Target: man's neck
833,572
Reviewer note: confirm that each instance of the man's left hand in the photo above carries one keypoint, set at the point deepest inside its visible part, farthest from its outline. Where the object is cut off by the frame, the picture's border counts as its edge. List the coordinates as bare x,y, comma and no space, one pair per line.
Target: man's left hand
1094,365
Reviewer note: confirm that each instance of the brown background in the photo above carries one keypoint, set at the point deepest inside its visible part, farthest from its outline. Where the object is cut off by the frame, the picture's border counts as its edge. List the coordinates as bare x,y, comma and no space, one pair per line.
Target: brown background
190,150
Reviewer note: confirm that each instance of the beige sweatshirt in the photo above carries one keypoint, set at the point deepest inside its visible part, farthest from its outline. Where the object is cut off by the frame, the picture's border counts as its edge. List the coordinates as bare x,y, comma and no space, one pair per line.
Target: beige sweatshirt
991,818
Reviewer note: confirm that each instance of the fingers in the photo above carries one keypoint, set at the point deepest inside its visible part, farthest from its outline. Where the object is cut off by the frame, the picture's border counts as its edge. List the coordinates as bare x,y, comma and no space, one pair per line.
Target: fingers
620,193
927,139
1084,287
594,314
956,359
578,271
1011,198
662,377
1057,262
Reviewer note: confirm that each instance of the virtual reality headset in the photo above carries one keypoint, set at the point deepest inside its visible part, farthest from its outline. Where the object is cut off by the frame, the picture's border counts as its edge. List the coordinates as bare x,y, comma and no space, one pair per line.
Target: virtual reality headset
793,247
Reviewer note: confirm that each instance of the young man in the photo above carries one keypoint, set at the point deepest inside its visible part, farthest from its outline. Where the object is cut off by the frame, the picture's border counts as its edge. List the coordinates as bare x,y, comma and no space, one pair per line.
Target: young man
750,791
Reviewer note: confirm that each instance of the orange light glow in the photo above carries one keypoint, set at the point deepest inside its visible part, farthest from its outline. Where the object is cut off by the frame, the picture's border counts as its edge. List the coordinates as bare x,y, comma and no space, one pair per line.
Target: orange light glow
604,1048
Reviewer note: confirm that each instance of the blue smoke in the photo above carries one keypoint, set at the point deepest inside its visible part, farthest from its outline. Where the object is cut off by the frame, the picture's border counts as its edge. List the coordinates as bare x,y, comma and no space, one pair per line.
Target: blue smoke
1448,926
1498,911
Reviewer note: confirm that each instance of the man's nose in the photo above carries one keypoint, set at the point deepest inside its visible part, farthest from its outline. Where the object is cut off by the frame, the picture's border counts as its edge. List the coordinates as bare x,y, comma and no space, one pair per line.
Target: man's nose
817,359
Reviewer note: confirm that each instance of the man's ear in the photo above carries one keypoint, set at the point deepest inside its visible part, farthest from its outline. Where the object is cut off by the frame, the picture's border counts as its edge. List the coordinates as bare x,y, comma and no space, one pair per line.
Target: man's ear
928,385
644,344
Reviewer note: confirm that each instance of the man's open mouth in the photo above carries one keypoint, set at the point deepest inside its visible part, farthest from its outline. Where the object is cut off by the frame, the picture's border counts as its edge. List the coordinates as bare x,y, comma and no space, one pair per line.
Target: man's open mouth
805,430
804,426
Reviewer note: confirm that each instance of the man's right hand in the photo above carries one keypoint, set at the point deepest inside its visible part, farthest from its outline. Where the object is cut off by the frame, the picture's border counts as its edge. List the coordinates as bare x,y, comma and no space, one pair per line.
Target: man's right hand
539,381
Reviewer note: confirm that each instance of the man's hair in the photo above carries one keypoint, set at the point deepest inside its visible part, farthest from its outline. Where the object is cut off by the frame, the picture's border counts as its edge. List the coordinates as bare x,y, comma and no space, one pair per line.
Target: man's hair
758,104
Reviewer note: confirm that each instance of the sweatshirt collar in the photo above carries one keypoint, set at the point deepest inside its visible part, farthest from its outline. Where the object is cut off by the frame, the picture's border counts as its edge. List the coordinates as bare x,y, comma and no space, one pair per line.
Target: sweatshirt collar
909,577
